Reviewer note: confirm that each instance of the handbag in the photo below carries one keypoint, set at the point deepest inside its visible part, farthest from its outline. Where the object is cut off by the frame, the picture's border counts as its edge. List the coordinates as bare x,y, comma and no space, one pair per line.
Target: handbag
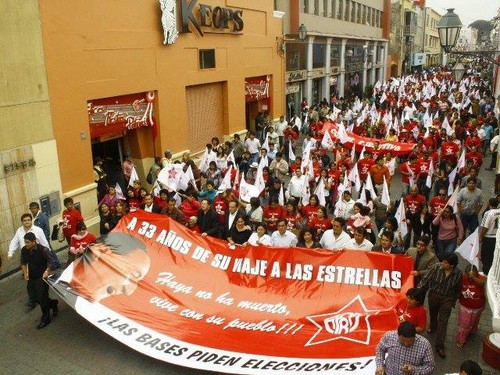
55,232
60,234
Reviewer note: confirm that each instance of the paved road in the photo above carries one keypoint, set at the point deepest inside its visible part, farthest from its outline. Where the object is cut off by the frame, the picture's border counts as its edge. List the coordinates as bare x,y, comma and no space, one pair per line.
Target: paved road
71,345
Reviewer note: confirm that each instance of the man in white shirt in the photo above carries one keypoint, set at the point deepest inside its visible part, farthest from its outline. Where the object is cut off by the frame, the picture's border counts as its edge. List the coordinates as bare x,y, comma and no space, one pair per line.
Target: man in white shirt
487,234
336,238
18,241
280,128
252,145
283,237
296,185
359,242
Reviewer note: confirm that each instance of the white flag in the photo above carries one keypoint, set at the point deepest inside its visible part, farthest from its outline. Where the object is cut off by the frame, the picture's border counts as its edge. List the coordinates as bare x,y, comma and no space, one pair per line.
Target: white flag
452,201
354,177
247,190
385,198
133,177
306,193
428,181
451,179
226,181
230,157
119,192
327,141
320,192
447,127
281,196
369,186
236,180
353,152
461,160
469,249
260,184
291,154
170,176
266,144
186,178
401,218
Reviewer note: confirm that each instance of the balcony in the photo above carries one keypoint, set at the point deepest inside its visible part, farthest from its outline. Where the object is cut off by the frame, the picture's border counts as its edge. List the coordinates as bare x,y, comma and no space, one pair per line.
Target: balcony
410,30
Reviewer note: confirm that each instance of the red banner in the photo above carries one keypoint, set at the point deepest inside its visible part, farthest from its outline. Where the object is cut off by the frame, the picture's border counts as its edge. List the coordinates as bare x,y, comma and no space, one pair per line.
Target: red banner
396,148
194,301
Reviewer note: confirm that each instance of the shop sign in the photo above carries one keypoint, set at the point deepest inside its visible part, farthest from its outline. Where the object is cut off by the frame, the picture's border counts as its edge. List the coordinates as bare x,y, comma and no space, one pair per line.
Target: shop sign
200,16
256,88
317,73
418,59
292,88
120,113
296,75
335,70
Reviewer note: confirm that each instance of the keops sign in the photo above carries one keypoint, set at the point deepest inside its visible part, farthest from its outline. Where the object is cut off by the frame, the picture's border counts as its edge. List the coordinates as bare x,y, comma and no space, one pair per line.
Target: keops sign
201,16
194,301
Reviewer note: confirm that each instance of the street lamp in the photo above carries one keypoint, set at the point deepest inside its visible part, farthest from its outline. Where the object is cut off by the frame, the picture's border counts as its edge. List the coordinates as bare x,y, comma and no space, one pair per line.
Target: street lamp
449,30
458,71
302,31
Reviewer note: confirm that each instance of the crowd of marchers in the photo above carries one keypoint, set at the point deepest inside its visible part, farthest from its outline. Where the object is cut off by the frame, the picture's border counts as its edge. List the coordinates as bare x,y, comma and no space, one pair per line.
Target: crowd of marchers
312,189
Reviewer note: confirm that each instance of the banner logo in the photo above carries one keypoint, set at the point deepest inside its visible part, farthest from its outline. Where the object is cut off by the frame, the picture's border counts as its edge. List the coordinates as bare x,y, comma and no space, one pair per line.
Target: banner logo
350,323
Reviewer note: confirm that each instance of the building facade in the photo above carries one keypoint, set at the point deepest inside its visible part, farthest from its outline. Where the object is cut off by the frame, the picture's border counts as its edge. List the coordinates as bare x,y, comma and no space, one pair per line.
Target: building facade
432,47
344,52
91,78
468,40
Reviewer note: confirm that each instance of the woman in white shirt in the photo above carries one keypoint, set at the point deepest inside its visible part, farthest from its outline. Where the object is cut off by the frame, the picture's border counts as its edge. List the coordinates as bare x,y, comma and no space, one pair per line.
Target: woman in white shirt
260,236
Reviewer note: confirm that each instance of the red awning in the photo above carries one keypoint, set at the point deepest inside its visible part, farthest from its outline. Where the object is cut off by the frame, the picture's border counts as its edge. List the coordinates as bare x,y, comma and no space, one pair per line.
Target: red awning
120,113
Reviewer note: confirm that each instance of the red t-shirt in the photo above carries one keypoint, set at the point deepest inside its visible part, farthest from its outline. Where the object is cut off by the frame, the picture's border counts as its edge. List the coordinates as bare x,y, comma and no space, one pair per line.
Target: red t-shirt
321,224
293,219
472,295
273,213
310,212
449,151
364,166
436,204
414,204
473,141
406,168
415,315
83,242
220,207
476,157
423,167
70,219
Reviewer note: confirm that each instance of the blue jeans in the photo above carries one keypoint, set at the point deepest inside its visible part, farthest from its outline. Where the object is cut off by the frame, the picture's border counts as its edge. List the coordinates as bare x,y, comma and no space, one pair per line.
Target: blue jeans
470,222
445,247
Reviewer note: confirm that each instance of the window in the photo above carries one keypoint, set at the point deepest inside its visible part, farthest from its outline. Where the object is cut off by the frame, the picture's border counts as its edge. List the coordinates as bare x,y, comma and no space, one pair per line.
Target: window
346,10
325,8
363,15
306,6
340,13
296,56
318,56
353,12
334,9
369,16
207,58
316,7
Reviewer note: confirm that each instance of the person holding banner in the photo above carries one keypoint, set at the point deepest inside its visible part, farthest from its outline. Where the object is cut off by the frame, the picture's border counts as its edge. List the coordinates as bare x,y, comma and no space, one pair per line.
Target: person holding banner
283,237
208,220
239,233
260,236
307,238
336,238
404,352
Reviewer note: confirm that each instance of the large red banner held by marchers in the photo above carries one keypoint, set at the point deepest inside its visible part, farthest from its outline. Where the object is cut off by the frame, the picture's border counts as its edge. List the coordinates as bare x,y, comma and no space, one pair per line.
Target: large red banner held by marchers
194,301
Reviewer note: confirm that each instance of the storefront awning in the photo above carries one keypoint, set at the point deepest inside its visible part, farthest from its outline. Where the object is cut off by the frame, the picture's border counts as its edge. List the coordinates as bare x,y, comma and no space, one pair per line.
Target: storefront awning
120,113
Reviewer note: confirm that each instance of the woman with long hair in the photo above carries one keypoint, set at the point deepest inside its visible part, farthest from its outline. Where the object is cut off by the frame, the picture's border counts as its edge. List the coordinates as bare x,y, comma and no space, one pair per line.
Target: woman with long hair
307,239
310,211
321,222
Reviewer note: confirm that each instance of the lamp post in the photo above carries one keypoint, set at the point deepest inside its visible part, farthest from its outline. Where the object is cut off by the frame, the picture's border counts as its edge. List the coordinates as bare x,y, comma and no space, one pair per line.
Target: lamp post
458,71
302,32
449,30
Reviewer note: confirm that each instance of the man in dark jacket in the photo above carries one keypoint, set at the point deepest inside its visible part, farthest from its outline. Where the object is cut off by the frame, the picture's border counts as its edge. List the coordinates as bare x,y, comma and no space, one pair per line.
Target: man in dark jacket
36,263
208,220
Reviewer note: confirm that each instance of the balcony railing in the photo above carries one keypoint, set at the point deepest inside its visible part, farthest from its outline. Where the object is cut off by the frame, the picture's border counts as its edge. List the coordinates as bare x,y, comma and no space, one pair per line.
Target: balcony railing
410,30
